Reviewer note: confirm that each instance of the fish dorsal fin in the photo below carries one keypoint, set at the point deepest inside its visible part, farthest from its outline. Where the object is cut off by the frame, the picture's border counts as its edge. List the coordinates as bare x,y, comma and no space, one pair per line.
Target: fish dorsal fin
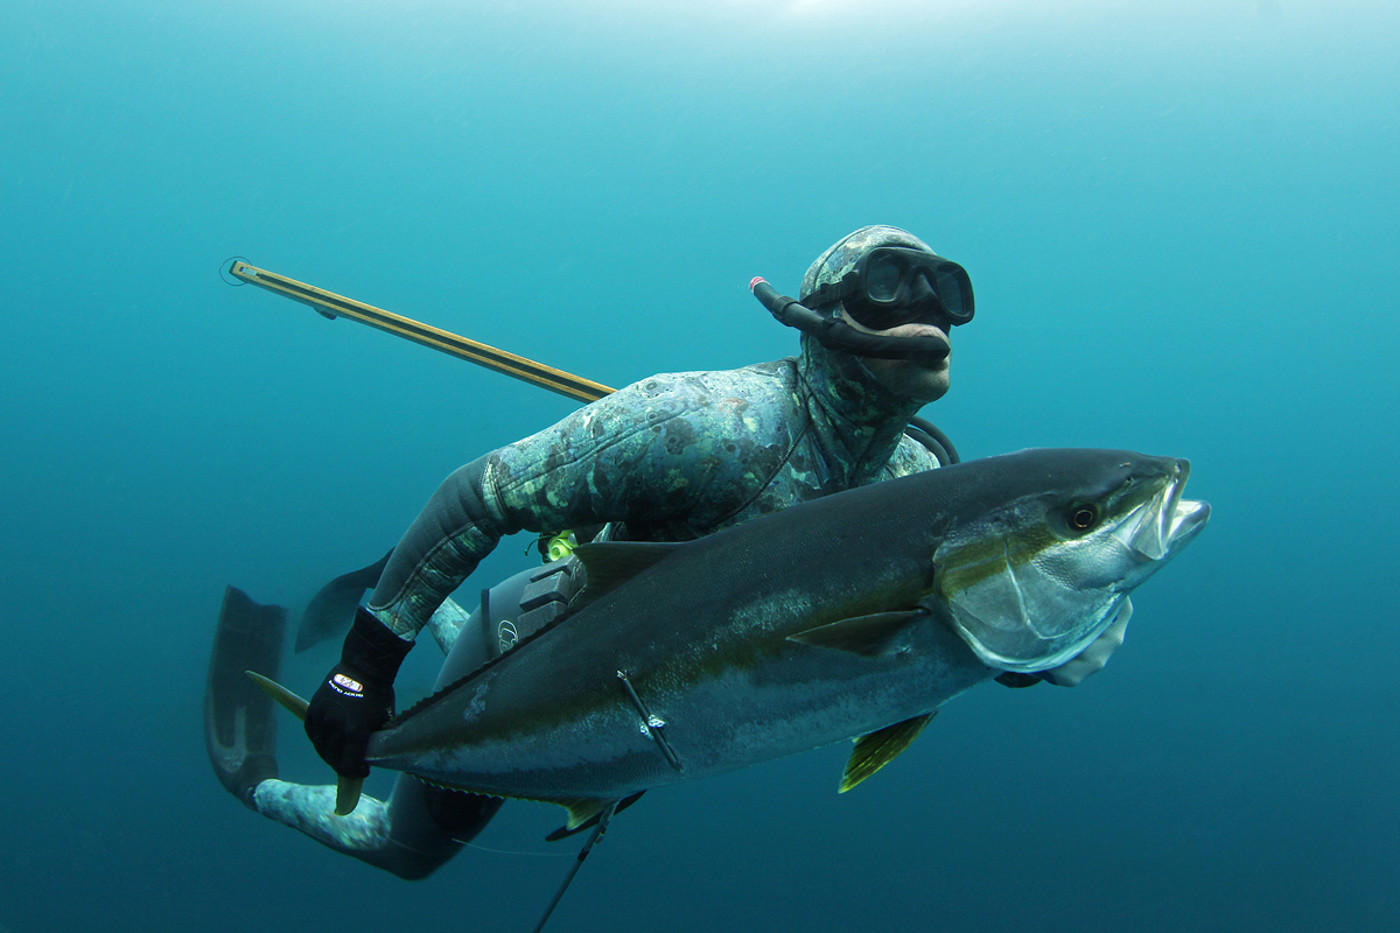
876,749
612,563
873,636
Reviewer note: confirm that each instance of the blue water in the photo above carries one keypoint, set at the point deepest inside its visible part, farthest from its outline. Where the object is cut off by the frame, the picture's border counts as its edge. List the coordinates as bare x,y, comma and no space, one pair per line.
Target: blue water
1182,227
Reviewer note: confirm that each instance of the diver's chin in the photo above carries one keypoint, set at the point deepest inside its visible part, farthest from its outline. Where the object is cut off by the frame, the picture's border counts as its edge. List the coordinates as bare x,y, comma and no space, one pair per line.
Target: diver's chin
929,390
923,380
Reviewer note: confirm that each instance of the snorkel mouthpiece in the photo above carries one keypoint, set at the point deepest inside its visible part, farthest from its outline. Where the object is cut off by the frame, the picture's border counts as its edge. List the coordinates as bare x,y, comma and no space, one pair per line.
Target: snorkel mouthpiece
838,335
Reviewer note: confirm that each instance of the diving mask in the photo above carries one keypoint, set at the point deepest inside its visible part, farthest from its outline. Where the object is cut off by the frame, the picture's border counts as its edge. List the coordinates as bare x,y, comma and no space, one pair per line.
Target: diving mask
893,285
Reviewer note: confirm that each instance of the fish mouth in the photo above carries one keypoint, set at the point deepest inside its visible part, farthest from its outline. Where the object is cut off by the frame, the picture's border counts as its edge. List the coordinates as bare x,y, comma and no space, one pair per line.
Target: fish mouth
1163,523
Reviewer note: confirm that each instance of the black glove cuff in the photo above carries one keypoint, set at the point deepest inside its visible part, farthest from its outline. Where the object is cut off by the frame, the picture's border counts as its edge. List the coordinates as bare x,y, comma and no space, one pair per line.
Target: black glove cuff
372,650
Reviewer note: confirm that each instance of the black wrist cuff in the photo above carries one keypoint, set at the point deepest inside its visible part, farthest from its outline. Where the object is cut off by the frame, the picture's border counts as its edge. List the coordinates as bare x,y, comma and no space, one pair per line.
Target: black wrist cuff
371,649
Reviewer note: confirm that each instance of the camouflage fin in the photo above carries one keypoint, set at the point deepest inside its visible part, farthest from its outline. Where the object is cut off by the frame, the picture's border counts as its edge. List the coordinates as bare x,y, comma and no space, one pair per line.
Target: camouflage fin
876,635
876,749
240,724
611,564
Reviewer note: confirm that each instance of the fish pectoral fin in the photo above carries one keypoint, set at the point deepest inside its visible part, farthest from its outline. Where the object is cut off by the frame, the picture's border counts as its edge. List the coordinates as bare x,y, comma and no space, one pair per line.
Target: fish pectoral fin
612,563
293,703
876,749
347,794
873,636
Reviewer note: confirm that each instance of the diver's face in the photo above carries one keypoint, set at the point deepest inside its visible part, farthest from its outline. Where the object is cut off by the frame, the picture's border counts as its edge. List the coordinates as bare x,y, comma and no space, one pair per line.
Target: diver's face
921,379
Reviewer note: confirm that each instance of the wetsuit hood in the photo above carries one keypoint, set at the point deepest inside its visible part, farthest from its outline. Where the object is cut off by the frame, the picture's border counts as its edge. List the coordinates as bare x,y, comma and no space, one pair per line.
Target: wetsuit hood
838,259
857,420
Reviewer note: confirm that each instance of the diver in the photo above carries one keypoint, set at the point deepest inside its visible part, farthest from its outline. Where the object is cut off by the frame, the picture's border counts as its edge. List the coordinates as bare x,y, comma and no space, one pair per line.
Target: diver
669,458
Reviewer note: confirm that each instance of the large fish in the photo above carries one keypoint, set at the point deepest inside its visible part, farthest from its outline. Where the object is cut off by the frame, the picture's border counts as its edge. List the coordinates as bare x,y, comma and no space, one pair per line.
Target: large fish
856,615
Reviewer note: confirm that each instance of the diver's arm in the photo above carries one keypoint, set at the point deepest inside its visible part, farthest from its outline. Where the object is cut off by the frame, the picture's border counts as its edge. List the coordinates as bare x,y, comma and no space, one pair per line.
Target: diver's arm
631,454
672,453
356,697
460,525
605,462
454,531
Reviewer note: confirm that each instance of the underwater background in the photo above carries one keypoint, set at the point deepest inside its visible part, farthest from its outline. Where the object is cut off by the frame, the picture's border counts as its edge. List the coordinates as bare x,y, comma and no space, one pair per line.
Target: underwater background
1183,225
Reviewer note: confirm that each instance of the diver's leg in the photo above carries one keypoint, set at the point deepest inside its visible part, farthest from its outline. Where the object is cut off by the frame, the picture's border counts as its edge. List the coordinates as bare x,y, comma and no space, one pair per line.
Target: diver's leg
431,824
420,827
240,732
446,624
417,831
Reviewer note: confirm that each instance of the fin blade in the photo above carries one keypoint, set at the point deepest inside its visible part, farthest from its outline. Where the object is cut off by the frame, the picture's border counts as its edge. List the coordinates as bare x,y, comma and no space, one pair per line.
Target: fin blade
289,700
612,563
876,749
332,610
240,724
878,634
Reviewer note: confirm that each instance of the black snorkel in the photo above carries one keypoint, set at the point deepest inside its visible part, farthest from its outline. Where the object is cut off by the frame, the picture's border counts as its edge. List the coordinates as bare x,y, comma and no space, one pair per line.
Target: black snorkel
838,335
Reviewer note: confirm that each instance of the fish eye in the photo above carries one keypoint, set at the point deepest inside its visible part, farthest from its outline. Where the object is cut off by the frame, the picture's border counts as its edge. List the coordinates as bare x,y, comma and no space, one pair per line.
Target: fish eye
1083,517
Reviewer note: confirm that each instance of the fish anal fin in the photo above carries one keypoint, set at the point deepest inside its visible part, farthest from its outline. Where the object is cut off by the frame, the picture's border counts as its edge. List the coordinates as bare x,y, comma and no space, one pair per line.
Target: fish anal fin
612,563
879,634
565,831
876,749
581,809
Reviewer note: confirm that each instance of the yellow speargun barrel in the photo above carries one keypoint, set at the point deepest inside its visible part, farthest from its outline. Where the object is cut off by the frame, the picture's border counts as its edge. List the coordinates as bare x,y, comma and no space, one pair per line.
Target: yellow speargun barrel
502,361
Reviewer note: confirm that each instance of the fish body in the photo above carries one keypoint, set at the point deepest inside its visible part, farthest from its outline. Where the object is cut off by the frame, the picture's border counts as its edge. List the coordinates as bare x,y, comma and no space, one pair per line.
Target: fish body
833,619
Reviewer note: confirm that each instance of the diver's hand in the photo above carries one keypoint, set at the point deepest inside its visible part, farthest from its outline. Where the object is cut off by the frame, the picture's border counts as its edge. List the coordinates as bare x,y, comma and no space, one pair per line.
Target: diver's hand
357,696
1092,659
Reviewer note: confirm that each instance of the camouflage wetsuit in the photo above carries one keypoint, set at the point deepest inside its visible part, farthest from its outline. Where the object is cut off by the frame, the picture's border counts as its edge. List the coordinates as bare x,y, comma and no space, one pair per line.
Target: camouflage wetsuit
672,457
